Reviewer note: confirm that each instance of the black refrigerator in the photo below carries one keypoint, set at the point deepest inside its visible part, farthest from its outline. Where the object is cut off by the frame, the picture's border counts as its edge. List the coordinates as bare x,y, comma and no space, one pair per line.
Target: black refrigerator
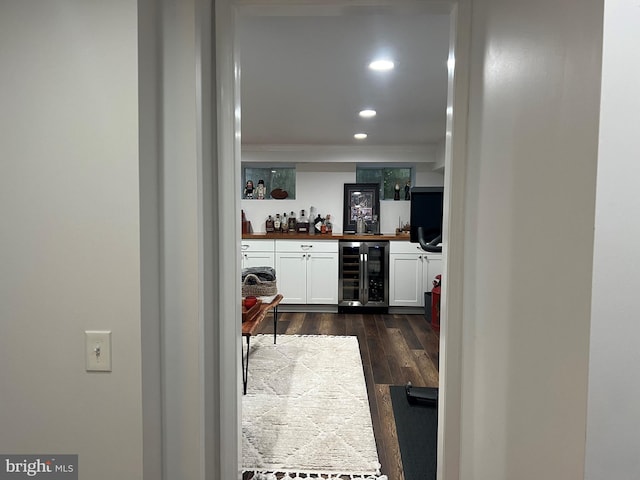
364,274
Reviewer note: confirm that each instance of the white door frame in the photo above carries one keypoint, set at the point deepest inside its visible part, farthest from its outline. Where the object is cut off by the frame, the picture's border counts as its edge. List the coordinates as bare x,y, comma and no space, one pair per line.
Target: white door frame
190,279
211,157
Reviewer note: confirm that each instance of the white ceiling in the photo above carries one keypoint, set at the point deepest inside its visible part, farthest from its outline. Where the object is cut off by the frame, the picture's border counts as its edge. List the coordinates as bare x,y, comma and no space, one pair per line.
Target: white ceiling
305,78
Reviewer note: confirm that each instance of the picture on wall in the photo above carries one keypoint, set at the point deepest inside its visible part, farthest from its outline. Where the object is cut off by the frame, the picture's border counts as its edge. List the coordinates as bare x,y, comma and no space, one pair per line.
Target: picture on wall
360,200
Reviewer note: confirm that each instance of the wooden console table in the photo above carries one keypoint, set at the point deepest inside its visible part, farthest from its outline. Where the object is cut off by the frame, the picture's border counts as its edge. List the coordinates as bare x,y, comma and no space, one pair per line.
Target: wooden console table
251,320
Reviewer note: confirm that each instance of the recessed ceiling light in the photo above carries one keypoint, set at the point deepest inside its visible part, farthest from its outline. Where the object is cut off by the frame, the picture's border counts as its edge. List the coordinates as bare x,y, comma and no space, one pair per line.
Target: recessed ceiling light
367,113
360,136
381,65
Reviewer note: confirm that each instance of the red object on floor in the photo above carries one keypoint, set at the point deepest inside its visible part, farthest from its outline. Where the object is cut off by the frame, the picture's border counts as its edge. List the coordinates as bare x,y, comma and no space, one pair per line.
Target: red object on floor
435,303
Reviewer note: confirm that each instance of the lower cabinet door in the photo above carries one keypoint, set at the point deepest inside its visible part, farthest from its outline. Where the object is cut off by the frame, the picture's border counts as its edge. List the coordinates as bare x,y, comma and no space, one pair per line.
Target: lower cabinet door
291,273
405,280
322,278
432,267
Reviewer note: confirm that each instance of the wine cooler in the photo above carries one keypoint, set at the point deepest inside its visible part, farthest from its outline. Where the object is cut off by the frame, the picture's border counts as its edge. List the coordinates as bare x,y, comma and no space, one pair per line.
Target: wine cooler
364,274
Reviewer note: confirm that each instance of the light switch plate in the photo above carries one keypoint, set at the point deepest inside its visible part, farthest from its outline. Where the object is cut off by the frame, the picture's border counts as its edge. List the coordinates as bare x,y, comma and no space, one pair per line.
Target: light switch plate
98,350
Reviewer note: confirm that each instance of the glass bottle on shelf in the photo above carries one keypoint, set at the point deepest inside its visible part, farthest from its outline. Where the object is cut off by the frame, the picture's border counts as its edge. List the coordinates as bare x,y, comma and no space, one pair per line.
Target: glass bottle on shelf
277,223
269,225
312,213
375,226
285,223
328,224
360,228
292,222
317,224
303,223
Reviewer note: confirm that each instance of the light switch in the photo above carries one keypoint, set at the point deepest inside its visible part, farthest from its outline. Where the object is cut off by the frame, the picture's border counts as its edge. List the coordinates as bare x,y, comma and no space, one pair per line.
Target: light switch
98,350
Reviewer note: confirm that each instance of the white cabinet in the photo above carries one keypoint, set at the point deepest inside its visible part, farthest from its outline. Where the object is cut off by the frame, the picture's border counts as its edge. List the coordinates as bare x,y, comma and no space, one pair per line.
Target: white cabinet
432,266
291,275
405,280
258,253
411,273
307,271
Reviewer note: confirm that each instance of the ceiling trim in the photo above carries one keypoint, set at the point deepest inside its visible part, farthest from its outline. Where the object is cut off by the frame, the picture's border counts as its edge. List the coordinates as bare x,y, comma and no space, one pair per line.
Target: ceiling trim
341,148
367,154
339,7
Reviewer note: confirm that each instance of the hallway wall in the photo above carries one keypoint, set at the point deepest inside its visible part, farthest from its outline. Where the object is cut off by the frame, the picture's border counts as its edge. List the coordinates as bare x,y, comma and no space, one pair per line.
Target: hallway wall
531,177
70,251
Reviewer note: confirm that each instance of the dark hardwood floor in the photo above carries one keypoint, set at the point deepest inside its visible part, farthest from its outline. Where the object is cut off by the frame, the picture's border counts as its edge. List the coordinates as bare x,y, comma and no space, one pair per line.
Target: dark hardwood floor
395,349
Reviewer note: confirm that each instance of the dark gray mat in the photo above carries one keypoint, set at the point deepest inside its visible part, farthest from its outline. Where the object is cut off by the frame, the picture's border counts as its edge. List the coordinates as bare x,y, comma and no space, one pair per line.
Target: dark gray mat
417,427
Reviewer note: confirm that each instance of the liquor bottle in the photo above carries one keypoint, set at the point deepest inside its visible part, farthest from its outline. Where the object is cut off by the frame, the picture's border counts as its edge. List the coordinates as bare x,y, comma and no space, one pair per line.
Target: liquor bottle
285,223
312,214
292,223
328,224
277,223
303,223
269,225
360,225
317,224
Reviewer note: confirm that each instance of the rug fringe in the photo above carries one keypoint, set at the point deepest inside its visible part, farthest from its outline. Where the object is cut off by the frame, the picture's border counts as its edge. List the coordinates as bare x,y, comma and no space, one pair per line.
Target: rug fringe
262,475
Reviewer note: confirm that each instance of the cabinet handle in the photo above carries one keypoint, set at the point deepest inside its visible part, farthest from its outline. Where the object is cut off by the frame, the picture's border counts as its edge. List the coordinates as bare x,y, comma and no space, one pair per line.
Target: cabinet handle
361,274
306,246
303,255
244,247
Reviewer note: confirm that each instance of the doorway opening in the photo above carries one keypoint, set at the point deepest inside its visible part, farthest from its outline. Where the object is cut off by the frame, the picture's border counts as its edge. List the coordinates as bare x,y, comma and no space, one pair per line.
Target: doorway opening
283,139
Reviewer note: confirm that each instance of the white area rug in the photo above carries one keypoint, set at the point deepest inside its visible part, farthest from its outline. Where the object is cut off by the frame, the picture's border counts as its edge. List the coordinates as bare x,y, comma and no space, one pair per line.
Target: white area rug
306,410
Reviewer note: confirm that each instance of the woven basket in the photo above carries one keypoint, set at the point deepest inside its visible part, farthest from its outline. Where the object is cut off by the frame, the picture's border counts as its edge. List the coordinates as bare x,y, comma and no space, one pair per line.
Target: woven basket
260,288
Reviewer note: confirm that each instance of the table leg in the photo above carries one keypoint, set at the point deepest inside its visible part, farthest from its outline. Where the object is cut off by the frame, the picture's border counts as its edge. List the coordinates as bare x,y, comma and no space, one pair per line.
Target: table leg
245,368
275,323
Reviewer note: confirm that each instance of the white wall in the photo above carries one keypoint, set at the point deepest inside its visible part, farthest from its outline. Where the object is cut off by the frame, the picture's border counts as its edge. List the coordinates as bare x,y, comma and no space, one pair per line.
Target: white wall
70,251
321,184
529,216
440,156
613,438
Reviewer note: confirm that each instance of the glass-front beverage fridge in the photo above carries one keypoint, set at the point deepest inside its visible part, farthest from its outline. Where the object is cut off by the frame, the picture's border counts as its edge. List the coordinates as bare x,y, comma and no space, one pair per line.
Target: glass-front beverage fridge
364,274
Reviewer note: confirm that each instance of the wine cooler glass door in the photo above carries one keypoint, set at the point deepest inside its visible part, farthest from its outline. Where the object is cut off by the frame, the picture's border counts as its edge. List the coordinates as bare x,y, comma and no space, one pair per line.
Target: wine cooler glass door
375,275
350,274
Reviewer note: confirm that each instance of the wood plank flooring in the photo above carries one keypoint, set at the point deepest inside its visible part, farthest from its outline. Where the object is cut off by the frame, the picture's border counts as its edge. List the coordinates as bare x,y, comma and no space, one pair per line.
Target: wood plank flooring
395,349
